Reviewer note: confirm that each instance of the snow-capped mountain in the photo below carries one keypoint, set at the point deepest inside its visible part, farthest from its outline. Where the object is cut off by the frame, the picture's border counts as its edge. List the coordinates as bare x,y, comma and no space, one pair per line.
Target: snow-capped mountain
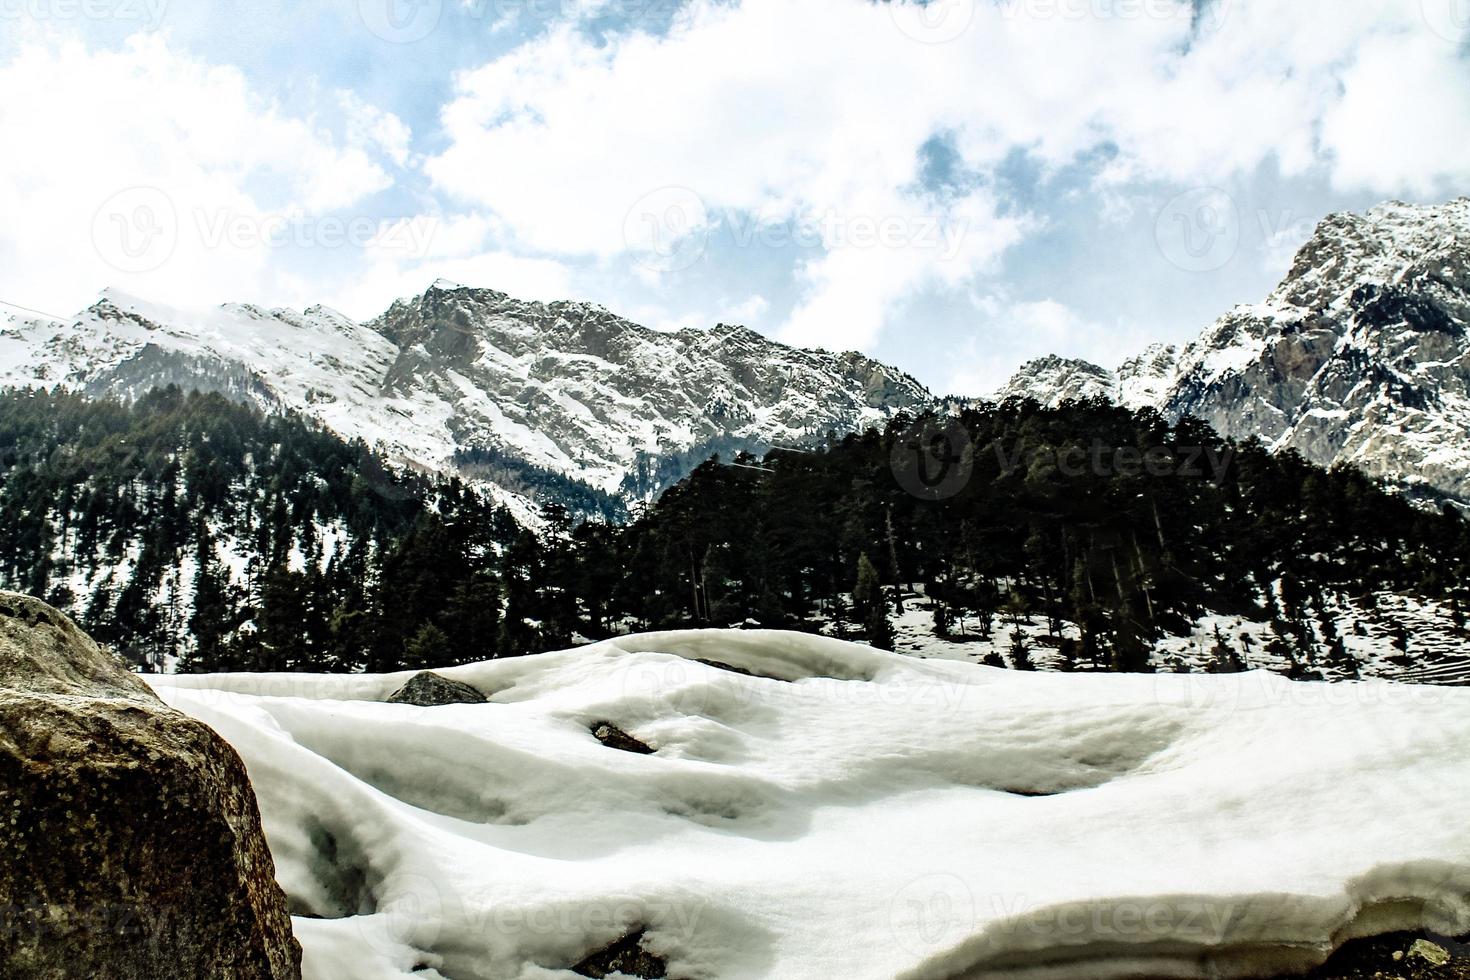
1360,355
565,387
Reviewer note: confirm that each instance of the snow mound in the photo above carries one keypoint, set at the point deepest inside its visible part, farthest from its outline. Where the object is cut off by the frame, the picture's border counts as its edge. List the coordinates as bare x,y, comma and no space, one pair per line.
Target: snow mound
818,809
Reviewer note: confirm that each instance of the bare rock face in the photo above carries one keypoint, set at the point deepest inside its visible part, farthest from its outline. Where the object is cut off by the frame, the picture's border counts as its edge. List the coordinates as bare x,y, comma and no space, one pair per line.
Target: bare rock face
615,738
429,690
624,958
130,841
1361,355
477,382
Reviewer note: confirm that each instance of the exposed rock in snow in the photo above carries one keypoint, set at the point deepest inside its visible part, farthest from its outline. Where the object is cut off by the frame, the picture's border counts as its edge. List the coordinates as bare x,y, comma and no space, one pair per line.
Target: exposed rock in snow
915,819
130,844
430,690
615,738
625,958
1431,953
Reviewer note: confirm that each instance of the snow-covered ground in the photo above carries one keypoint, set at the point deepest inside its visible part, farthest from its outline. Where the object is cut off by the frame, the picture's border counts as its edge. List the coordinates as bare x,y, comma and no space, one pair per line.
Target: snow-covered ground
848,813
1391,637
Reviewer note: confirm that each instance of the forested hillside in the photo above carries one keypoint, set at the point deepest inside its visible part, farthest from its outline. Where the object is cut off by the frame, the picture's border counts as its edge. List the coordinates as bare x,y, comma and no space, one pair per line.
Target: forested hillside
1116,526
191,528
185,529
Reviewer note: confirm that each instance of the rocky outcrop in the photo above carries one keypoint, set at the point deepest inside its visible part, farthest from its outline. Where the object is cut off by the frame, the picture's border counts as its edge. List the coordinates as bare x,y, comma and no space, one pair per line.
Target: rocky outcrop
624,958
1361,355
1052,380
615,738
478,382
430,690
130,841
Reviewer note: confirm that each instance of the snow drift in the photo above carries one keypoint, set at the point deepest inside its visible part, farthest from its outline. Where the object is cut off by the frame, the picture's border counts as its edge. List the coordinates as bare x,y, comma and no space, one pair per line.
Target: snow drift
817,809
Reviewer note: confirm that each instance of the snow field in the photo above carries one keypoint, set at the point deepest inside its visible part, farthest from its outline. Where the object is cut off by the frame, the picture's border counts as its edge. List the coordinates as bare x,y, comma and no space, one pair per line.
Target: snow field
844,812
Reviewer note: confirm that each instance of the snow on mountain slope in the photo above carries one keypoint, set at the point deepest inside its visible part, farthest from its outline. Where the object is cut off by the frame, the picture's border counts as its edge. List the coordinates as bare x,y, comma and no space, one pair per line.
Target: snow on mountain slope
580,390
1360,355
564,386
848,813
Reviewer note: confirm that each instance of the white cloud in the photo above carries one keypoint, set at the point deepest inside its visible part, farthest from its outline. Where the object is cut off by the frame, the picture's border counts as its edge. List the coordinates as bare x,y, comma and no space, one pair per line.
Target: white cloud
368,125
390,277
746,312
1403,121
785,108
148,169
743,118
1015,331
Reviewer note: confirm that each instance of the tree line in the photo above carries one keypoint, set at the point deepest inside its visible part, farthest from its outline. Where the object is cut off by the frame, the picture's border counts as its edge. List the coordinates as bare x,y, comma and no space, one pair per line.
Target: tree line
188,530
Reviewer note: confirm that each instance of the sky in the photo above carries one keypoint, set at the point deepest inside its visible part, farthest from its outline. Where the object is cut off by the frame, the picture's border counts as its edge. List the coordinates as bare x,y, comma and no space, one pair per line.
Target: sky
953,186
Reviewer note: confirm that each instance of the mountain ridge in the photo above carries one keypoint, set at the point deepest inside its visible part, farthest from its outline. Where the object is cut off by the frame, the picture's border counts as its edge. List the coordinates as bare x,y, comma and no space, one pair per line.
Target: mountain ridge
564,387
1360,355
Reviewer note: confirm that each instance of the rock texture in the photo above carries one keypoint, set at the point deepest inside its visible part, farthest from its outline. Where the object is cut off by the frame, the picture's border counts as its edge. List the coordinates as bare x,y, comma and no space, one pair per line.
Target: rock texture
615,738
565,387
1361,355
130,841
624,958
430,690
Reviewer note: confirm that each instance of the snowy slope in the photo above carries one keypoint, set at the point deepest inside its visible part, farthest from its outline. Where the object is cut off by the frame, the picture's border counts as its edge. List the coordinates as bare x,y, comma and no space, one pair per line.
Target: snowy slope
851,814
1360,355
564,386
1387,637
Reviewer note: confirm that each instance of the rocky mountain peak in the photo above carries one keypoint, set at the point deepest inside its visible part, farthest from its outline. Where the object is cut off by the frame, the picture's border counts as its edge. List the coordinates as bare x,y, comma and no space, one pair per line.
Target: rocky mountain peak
564,391
1052,379
1360,355
1392,243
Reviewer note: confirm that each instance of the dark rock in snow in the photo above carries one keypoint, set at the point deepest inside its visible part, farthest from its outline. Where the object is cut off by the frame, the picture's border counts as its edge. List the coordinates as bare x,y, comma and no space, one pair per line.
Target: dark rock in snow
130,840
615,738
1393,956
625,957
430,690
741,670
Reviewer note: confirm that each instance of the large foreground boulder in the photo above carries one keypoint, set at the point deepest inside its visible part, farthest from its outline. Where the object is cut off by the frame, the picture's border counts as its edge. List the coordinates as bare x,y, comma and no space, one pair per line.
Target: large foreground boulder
130,841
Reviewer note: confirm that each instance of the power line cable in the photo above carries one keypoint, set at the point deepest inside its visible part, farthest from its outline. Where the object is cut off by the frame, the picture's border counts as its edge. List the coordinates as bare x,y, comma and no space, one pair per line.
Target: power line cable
28,309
